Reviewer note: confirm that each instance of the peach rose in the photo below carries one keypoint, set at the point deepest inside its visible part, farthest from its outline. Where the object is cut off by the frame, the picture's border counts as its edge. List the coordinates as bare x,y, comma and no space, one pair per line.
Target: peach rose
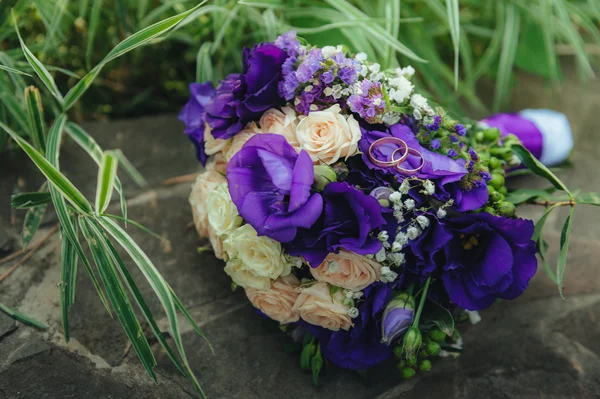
220,163
212,145
240,139
217,244
317,306
206,182
347,270
328,135
282,122
278,301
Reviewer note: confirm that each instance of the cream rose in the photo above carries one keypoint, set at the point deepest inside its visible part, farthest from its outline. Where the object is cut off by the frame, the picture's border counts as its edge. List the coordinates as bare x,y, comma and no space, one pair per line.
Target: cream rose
278,301
240,139
206,182
282,122
347,270
222,212
217,244
212,145
244,277
220,163
261,256
328,135
317,306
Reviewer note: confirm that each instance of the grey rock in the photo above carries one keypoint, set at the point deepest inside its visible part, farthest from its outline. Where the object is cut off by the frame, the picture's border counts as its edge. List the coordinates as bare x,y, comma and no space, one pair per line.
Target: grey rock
29,348
7,325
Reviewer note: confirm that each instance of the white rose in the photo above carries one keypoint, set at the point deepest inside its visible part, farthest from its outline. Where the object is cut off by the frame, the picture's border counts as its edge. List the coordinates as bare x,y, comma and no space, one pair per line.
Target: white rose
261,256
212,145
222,212
206,182
244,277
328,135
282,122
240,139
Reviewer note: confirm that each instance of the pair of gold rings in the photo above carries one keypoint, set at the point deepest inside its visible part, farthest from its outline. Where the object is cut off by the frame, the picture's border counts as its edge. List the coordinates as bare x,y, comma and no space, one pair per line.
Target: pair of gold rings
395,162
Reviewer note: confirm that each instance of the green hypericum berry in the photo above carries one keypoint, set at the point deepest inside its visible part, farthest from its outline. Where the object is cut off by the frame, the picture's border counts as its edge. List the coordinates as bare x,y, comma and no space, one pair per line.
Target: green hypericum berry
479,137
425,366
506,208
411,361
407,373
400,365
433,348
490,210
491,134
503,190
491,190
495,163
496,196
437,335
497,181
398,351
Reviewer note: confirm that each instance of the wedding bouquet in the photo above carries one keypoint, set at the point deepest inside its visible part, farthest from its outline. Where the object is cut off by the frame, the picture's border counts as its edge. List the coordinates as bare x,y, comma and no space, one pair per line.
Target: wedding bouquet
365,220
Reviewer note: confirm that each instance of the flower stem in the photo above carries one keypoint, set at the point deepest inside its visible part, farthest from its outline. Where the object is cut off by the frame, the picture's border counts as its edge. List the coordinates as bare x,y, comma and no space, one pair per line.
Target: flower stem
421,302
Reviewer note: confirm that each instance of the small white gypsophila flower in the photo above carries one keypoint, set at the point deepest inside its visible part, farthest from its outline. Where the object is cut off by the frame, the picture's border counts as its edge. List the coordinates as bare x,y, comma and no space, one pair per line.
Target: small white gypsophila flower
309,88
295,261
328,51
417,114
387,275
395,197
380,255
353,312
417,101
413,232
360,57
363,71
402,89
377,101
391,118
296,101
374,67
441,213
385,270
407,71
376,77
348,294
404,187
401,238
409,204
383,236
314,107
386,245
396,246
397,259
423,221
328,91
369,256
333,266
429,187
358,295
398,214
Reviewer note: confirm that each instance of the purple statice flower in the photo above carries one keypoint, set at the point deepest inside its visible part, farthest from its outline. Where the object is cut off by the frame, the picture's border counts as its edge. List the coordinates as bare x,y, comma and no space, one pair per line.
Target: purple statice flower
435,125
460,129
290,43
360,347
452,152
473,154
307,98
369,104
309,65
192,115
348,219
453,138
397,318
270,184
489,257
242,98
288,85
485,175
327,77
435,144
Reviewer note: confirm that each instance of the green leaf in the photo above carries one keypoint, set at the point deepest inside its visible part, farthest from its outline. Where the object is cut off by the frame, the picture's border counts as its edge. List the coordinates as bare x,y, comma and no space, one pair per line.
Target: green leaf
30,321
588,199
33,218
537,234
565,236
29,200
316,364
454,24
305,356
528,194
531,56
158,284
35,114
13,70
136,40
118,296
542,247
37,66
106,181
435,313
93,26
68,278
59,10
538,168
58,180
204,70
15,107
507,54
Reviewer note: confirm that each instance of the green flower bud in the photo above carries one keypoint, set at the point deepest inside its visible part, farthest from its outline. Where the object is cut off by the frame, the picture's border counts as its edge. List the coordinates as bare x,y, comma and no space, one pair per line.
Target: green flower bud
433,348
491,134
425,366
407,373
495,163
500,151
437,335
411,360
398,351
511,138
506,208
324,175
479,137
497,181
412,340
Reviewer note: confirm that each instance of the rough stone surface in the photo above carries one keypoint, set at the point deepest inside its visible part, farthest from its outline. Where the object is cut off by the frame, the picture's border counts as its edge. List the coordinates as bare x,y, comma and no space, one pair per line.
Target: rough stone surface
539,346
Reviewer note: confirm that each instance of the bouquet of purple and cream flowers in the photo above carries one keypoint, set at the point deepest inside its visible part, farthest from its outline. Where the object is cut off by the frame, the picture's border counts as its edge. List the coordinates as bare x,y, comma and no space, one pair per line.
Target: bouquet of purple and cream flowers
365,220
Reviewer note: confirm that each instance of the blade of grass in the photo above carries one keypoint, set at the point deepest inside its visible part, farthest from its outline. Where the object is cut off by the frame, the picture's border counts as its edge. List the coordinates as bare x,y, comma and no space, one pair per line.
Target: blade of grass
454,25
93,27
507,55
13,70
29,200
30,321
118,296
15,108
33,219
204,70
68,278
106,181
392,20
59,10
565,236
35,114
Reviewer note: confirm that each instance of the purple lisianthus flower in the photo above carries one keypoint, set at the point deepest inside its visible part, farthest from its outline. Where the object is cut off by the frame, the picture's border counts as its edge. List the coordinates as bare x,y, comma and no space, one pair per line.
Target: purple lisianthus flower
270,184
242,98
192,115
360,347
348,219
488,257
360,175
397,318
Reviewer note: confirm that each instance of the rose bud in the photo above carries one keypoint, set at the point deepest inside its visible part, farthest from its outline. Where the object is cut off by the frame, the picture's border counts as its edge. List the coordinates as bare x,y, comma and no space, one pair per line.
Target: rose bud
324,175
412,341
397,317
